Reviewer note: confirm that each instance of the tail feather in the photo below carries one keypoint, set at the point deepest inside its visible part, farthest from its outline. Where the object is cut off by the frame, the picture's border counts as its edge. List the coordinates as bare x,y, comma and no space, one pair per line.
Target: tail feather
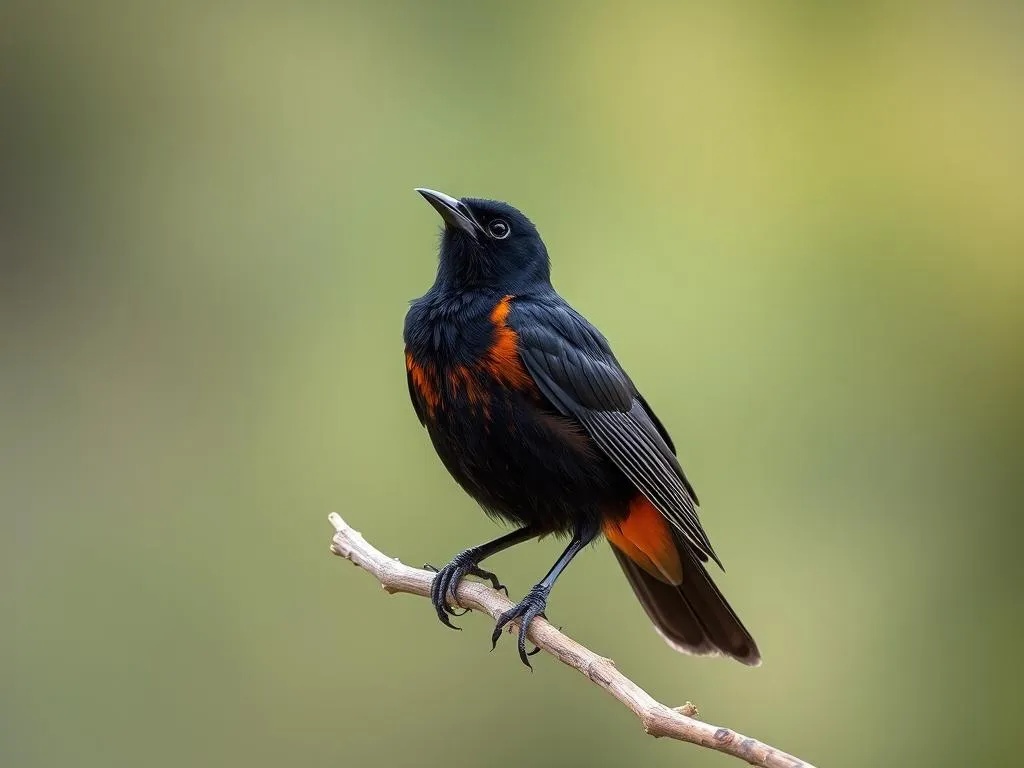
692,616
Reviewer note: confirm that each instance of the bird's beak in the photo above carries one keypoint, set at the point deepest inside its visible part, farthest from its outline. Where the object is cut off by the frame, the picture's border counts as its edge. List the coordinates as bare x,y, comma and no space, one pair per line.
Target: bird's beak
454,212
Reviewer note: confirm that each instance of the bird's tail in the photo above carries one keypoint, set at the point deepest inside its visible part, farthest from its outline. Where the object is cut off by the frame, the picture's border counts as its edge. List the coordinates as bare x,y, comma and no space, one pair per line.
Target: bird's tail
680,598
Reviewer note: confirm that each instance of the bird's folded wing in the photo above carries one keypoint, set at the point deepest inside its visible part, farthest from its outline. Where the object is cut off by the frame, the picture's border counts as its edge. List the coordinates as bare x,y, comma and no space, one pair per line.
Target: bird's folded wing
575,369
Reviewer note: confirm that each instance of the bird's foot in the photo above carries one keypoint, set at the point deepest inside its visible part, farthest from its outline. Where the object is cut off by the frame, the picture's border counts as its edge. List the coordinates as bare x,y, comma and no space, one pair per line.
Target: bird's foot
442,589
532,605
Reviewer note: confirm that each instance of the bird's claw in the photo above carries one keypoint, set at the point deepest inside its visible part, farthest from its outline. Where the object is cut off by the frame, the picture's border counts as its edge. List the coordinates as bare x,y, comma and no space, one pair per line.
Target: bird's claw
446,582
527,610
480,573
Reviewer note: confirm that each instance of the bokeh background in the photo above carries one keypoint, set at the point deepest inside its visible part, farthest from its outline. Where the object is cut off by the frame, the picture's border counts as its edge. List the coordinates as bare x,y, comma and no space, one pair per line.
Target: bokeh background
801,225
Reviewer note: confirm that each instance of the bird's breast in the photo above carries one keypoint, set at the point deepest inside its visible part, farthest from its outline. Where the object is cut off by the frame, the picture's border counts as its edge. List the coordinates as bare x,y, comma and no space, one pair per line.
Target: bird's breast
493,429
462,365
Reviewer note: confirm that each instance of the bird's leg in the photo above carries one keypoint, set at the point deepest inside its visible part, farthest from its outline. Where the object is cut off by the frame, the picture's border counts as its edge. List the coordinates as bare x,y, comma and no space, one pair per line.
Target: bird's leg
536,599
466,563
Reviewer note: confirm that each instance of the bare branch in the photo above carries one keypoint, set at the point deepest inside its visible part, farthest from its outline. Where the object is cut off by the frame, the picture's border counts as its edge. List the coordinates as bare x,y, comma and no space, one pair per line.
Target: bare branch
656,718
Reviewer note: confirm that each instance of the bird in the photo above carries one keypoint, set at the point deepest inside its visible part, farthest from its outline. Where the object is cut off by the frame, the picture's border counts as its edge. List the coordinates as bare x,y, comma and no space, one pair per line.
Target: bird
533,416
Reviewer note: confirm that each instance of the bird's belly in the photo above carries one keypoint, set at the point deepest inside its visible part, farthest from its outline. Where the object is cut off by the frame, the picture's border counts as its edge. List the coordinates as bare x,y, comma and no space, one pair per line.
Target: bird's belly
528,465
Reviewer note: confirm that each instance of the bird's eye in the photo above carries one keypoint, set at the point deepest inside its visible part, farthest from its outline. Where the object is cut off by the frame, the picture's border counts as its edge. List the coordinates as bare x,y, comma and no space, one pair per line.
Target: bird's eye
498,229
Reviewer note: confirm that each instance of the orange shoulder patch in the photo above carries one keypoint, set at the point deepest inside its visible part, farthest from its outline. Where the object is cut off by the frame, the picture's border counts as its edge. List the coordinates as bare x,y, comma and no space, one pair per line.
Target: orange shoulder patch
502,358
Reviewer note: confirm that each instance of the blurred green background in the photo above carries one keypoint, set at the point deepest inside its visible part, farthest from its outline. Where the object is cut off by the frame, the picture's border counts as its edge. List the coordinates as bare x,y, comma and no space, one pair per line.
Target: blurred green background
801,226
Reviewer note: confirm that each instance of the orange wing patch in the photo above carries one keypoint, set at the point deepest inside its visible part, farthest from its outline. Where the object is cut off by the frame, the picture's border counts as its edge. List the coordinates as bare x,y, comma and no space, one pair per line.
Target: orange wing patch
646,539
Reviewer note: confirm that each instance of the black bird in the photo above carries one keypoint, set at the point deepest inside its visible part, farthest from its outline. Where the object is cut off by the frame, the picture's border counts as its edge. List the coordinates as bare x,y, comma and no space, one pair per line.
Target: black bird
533,416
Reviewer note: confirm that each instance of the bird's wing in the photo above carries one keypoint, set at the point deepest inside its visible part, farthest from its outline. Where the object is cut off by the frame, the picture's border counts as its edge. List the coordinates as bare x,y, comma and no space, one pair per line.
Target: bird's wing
575,369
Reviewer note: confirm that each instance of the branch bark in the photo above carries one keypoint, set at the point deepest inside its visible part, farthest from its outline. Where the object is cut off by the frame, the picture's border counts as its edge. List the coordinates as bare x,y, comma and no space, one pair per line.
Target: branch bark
656,718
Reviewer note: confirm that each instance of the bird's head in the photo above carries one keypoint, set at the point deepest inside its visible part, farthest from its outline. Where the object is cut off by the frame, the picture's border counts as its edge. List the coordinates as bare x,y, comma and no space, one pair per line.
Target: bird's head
488,244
